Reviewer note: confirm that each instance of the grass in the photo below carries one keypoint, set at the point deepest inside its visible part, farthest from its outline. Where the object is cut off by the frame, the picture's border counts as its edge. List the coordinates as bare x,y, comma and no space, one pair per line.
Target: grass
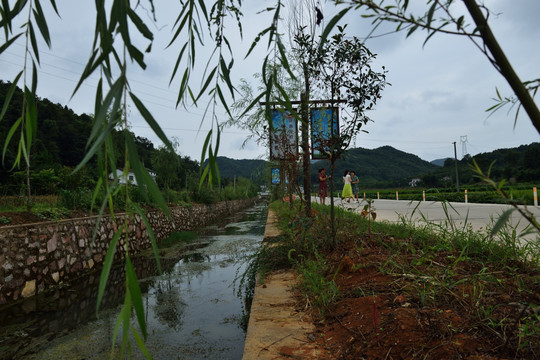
492,281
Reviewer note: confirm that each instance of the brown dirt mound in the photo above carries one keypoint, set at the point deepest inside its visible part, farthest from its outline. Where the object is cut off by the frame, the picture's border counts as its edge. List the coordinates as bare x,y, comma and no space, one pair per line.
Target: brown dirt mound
380,314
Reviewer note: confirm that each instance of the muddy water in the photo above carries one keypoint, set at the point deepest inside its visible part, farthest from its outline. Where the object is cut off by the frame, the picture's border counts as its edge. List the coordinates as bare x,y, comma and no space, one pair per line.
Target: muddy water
192,311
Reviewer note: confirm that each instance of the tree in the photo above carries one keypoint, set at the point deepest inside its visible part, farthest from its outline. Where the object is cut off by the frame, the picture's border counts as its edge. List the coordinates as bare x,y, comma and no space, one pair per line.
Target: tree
166,164
341,69
450,23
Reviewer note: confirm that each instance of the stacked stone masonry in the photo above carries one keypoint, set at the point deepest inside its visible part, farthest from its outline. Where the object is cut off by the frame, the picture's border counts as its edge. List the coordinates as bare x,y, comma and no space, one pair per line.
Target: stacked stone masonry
35,257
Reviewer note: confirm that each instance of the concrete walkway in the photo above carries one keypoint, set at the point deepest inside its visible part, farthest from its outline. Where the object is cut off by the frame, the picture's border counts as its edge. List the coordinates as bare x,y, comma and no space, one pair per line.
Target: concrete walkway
478,216
276,330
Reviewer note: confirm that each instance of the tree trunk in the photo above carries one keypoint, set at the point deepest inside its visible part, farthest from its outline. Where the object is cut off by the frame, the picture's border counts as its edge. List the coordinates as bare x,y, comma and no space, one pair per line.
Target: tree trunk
332,213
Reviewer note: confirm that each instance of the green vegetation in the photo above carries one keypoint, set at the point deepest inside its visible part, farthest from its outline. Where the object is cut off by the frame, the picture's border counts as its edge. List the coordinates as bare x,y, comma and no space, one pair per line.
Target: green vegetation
490,283
5,220
56,153
475,194
519,165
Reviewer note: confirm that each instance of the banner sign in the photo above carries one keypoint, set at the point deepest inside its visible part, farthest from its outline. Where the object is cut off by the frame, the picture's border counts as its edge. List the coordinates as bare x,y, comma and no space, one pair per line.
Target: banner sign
324,127
283,135
276,176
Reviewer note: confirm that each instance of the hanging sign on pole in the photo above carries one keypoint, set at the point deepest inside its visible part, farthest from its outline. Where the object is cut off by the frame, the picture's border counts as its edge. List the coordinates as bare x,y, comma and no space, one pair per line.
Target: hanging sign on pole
324,128
283,134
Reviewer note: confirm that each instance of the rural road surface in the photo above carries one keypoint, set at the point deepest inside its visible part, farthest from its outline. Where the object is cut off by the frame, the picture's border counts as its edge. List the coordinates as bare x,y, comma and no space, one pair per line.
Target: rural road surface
477,215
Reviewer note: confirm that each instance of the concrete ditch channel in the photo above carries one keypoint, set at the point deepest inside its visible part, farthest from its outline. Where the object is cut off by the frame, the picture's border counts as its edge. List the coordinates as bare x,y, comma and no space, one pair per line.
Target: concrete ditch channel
276,328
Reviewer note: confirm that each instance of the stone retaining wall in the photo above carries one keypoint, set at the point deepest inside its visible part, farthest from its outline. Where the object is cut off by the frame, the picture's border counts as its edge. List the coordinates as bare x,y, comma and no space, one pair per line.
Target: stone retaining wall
37,256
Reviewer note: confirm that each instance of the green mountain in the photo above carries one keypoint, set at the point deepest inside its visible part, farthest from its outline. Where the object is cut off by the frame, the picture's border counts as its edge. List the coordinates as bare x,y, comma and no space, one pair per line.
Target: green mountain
386,167
520,164
249,169
381,167
439,162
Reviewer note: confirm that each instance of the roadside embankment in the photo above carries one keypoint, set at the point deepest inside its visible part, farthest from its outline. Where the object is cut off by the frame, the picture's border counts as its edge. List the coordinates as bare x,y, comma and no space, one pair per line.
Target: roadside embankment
276,328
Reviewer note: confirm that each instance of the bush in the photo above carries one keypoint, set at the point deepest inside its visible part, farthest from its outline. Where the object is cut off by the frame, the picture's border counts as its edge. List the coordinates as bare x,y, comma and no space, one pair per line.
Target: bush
78,199
207,196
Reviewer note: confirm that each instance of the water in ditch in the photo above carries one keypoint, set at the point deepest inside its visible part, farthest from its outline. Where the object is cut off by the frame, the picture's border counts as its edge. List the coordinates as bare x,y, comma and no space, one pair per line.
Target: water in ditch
192,309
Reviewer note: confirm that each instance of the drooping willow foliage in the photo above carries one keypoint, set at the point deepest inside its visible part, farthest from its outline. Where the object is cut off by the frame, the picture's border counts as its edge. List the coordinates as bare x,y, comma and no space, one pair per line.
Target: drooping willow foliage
119,29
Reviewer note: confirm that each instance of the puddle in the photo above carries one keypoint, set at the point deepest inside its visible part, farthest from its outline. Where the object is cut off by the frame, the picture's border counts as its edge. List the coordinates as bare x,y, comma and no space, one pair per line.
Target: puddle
191,309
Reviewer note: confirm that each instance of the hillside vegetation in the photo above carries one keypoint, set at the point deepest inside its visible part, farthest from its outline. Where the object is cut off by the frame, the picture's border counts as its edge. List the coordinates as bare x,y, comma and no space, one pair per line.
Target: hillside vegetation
62,135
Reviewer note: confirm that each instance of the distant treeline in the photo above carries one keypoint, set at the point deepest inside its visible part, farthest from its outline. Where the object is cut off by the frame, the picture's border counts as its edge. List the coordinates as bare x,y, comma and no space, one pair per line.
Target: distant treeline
60,146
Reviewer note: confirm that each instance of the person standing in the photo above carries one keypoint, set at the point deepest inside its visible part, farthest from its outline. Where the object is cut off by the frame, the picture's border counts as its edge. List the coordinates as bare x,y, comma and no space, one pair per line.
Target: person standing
347,189
323,185
355,187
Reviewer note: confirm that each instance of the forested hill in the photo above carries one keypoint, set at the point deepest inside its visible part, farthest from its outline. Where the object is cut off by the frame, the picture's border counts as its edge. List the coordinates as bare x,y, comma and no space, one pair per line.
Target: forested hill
249,169
381,166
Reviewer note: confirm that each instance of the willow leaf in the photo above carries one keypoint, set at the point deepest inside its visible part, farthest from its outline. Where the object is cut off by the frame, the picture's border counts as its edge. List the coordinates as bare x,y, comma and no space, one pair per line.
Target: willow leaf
136,55
151,121
53,3
181,23
33,41
142,214
205,146
107,265
207,82
8,43
253,103
218,138
202,6
283,58
124,313
223,101
102,115
9,95
136,295
204,174
430,13
10,134
125,318
183,86
42,23
145,182
331,25
34,79
177,63
256,40
96,145
140,343
141,26
93,62
226,73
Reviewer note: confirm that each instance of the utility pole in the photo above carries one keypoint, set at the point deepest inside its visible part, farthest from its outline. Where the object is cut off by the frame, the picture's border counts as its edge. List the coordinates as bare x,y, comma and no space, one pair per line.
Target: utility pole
457,174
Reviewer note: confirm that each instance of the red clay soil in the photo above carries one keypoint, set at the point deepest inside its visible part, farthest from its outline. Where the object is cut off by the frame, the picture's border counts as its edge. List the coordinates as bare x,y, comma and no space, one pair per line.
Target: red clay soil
381,316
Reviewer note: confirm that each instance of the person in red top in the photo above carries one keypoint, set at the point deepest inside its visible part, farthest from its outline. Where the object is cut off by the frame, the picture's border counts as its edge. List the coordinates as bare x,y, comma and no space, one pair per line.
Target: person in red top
323,186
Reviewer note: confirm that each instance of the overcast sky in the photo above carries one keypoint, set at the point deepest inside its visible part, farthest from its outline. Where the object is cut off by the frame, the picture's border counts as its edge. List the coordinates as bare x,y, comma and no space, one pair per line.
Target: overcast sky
438,96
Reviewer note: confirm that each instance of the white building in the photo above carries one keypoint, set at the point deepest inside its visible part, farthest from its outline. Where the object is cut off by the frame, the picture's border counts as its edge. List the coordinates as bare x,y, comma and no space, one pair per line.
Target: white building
414,182
129,178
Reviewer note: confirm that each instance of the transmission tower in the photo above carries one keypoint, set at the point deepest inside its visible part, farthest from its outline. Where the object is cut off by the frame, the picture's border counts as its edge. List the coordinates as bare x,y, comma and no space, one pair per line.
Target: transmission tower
463,141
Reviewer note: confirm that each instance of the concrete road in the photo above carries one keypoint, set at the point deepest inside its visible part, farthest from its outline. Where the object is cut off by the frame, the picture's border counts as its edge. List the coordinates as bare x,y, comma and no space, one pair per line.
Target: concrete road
479,216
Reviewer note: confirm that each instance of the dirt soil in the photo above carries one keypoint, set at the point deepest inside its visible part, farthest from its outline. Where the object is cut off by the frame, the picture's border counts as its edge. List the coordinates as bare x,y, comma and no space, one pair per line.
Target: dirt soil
383,314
